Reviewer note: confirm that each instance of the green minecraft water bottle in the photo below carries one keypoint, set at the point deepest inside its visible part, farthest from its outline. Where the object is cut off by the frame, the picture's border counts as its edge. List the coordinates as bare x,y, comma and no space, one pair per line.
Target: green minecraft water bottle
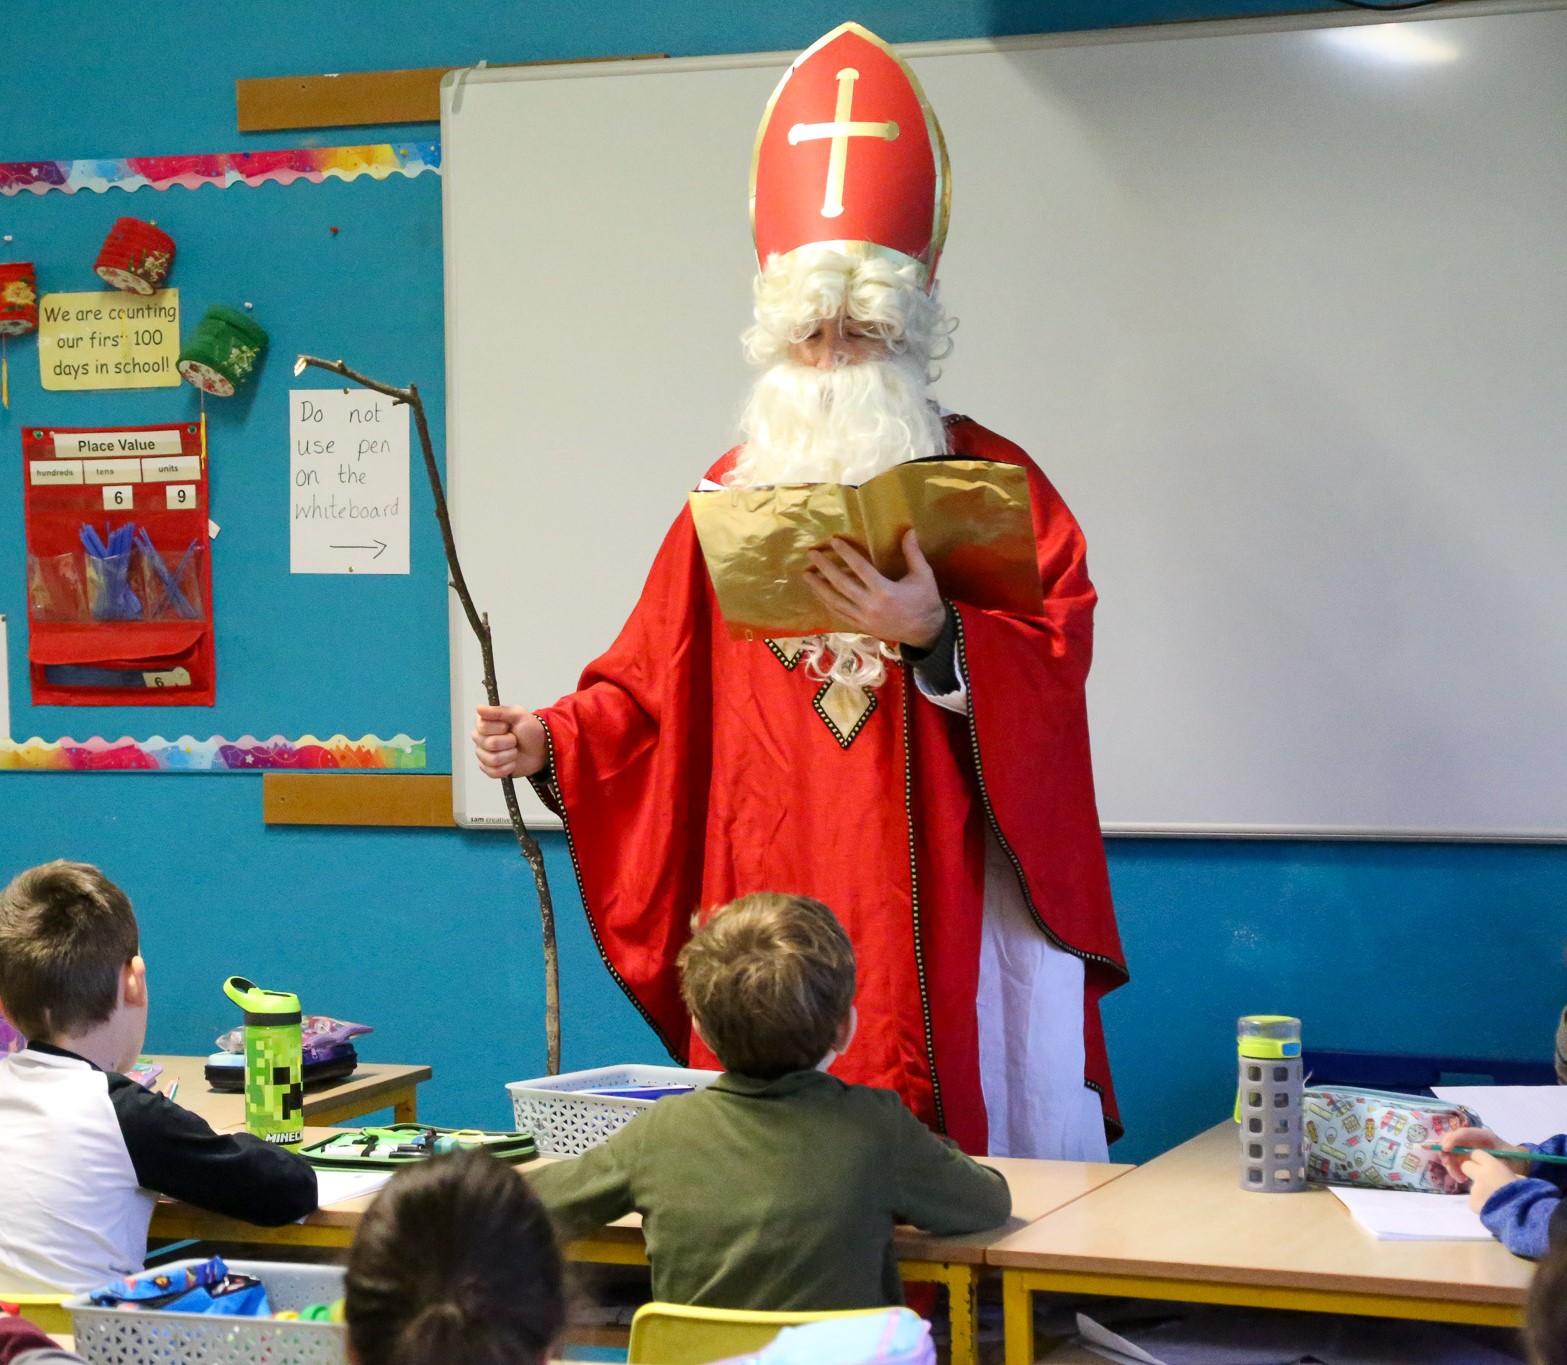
274,1062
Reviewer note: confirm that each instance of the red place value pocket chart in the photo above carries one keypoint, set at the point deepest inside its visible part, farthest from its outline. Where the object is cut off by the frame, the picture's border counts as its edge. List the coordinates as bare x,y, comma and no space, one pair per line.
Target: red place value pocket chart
119,573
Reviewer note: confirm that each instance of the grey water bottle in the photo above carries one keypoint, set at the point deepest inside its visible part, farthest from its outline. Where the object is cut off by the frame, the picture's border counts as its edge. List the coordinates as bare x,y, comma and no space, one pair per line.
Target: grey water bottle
1268,1103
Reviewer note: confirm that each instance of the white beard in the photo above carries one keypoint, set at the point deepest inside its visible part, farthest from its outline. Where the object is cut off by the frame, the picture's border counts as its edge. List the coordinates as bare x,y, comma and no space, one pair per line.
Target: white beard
843,425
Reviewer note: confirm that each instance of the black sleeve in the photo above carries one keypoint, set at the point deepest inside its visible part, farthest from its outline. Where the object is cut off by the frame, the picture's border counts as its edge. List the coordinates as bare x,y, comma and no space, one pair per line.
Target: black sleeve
937,666
176,1153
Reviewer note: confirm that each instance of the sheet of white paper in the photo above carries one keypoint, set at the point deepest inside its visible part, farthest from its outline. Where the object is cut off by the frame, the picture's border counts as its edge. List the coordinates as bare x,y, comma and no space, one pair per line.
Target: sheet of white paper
333,1187
1102,1341
348,482
1518,1113
5,684
1409,1216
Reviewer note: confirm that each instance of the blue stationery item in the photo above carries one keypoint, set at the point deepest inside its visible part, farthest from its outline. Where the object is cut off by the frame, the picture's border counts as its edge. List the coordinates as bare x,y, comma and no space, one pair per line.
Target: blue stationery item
151,1286
644,1092
202,1287
108,574
171,581
84,675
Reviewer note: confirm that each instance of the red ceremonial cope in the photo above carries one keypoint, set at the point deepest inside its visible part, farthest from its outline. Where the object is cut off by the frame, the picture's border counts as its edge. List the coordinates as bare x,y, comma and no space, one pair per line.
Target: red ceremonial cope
713,775
136,256
849,151
18,298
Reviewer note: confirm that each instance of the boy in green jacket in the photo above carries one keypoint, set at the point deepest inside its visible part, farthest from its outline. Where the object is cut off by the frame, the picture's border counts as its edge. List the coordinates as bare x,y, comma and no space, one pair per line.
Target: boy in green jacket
777,1186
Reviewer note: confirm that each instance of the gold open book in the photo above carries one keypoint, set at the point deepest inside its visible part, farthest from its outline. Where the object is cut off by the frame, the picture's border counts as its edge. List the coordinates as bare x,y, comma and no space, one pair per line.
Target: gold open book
972,518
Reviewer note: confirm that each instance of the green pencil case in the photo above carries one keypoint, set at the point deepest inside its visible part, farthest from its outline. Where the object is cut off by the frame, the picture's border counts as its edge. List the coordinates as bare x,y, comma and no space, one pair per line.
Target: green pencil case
390,1146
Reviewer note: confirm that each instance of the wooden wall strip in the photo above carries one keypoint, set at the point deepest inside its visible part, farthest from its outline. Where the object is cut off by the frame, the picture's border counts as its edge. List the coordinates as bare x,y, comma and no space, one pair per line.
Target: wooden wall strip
348,99
422,800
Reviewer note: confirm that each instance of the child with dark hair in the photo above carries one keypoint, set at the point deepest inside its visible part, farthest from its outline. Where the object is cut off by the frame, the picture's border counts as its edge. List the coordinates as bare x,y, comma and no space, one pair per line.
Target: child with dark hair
455,1261
778,1186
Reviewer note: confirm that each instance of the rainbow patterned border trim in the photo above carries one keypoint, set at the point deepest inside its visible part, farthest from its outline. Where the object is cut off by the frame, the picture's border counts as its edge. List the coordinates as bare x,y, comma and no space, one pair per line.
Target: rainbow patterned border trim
215,755
222,168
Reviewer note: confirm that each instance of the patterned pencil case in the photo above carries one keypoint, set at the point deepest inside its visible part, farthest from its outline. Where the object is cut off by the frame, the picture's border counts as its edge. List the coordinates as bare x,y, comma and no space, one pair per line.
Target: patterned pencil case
1377,1139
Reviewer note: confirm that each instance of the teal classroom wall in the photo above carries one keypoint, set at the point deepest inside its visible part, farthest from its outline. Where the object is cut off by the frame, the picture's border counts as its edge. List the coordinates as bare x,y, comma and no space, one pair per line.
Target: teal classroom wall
431,935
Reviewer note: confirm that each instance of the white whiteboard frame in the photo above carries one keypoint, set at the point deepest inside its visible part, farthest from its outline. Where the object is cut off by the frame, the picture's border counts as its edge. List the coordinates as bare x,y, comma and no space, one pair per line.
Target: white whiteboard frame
455,81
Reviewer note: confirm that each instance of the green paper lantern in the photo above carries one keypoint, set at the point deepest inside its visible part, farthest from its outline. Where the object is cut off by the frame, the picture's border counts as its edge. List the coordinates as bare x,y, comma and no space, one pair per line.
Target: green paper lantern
223,351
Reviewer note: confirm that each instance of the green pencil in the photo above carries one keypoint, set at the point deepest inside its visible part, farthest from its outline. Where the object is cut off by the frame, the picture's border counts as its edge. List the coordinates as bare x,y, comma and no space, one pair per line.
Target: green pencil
1503,1153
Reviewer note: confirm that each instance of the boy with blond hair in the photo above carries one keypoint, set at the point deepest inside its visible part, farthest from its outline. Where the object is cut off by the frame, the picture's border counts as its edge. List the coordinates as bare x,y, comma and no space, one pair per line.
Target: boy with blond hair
86,1151
777,1186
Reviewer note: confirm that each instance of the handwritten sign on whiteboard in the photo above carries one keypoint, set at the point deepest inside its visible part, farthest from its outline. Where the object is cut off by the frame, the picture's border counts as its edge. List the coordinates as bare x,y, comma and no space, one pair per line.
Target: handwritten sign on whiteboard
348,482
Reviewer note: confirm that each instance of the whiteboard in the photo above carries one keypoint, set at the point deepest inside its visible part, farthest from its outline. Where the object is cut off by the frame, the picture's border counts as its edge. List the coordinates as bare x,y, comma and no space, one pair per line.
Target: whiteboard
1280,306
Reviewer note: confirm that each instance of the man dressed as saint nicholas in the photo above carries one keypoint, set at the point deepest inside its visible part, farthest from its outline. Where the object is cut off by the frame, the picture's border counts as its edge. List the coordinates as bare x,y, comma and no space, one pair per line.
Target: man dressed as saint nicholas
927,775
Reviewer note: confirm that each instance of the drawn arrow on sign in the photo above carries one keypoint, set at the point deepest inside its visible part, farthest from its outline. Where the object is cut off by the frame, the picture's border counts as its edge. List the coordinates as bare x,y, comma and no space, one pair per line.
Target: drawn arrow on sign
379,547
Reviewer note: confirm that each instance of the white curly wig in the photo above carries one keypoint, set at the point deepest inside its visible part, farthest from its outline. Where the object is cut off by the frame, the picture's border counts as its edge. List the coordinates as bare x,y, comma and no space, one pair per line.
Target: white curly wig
846,422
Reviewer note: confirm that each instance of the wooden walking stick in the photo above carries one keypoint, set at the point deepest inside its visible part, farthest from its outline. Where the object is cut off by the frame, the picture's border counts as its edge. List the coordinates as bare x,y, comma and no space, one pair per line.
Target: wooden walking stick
479,622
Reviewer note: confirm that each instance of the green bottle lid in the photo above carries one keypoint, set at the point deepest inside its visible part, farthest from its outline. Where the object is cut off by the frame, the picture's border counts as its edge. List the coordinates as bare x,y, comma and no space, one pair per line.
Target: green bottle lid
1268,1037
262,1007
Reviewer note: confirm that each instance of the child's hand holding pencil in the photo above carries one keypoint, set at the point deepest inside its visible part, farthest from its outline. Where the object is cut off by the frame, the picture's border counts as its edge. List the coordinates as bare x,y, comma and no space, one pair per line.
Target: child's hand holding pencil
1478,1158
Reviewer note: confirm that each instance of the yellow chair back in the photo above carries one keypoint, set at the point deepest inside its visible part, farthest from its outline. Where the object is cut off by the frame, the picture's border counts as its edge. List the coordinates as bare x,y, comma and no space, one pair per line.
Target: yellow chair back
45,1311
679,1334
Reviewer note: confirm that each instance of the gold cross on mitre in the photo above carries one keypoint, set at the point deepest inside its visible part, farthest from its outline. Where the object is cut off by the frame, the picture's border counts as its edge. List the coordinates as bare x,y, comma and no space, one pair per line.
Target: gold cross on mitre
840,130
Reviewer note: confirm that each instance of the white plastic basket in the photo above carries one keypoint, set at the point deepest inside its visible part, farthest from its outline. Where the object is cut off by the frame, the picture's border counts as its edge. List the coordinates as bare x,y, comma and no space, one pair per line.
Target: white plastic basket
118,1336
565,1122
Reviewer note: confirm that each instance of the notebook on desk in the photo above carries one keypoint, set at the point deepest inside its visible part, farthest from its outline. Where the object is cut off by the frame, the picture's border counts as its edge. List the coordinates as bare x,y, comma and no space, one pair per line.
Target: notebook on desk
333,1187
1412,1216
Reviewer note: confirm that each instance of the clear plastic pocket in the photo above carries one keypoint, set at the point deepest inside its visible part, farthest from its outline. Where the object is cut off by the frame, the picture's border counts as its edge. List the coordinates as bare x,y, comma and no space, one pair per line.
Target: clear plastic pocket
56,590
110,596
169,581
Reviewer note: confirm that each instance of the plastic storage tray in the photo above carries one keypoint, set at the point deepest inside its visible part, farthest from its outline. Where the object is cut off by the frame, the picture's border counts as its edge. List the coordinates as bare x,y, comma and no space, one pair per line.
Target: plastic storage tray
566,1122
118,1336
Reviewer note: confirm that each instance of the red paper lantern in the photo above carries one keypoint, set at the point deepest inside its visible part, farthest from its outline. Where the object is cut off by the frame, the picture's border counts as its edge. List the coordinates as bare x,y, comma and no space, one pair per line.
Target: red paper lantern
136,256
18,298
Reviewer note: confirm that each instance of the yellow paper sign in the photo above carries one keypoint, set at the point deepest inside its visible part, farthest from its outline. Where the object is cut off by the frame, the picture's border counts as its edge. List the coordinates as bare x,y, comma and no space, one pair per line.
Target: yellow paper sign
113,340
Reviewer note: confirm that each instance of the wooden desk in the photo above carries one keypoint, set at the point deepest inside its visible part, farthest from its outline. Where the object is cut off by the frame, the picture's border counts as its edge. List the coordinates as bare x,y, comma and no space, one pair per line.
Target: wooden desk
1181,1228
371,1087
1038,1188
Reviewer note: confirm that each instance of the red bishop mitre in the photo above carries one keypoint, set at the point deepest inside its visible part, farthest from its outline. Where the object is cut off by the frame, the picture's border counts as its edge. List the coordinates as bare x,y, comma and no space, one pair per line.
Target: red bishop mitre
850,155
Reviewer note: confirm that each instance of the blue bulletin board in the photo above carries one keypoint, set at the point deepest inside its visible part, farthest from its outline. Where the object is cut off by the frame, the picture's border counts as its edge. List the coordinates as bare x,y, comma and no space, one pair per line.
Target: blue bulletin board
327,267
